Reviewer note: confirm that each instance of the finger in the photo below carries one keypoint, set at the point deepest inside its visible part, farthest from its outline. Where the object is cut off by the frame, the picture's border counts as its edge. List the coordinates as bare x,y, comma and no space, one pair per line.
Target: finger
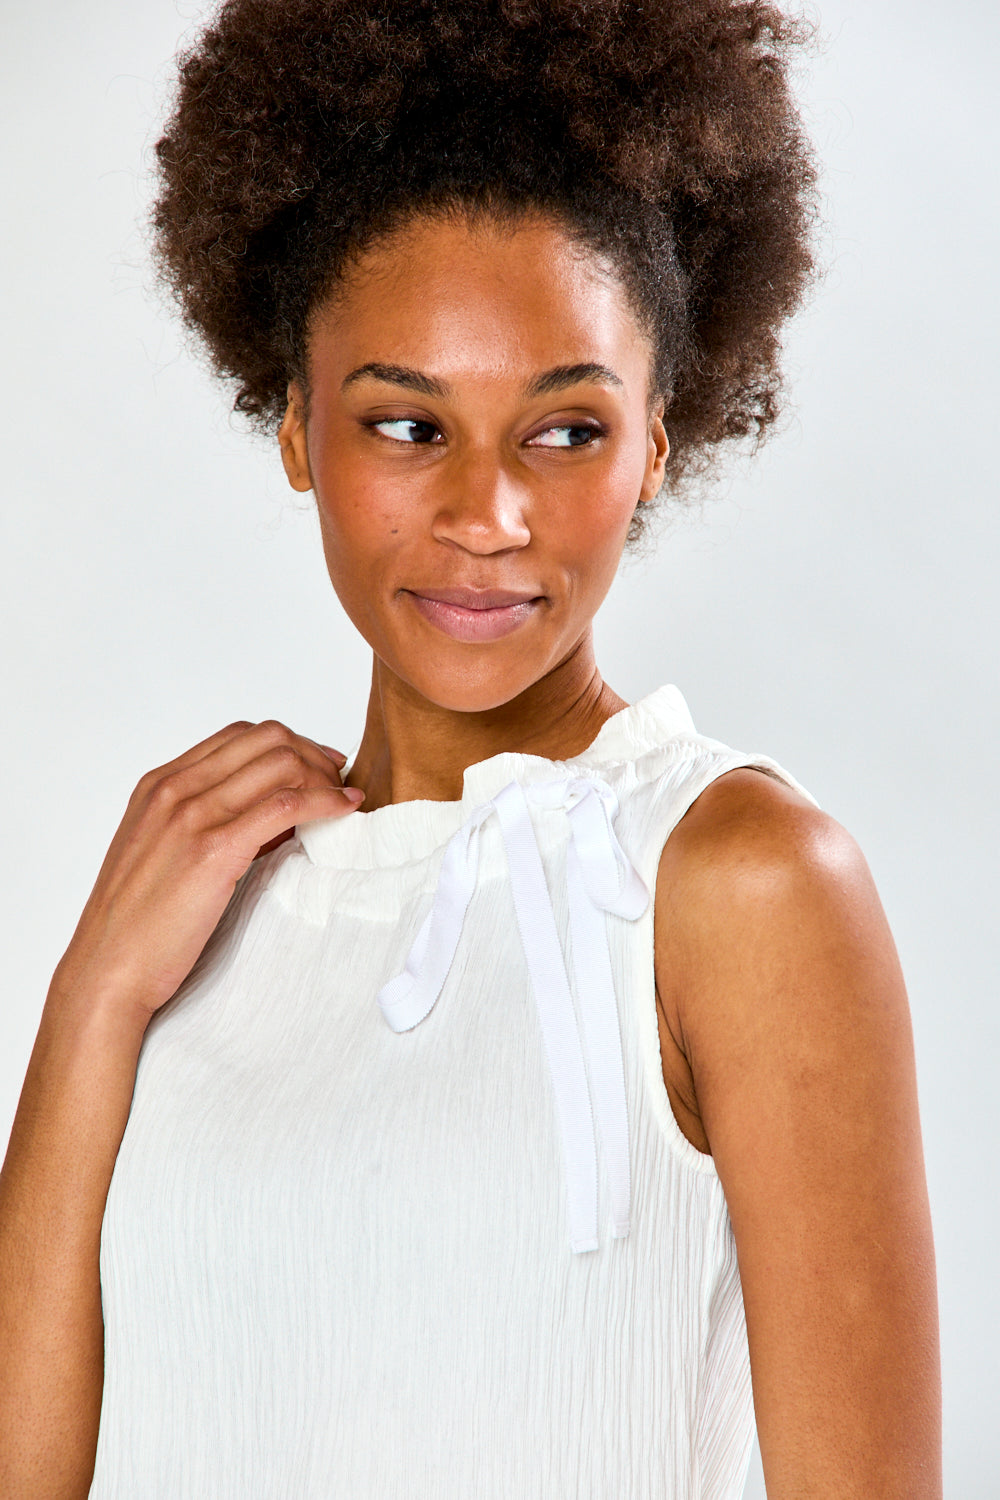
198,752
278,767
271,734
244,747
278,814
353,794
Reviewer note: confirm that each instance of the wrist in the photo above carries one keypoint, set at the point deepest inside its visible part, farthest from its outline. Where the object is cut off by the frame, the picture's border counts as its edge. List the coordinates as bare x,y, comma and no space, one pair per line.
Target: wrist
101,1009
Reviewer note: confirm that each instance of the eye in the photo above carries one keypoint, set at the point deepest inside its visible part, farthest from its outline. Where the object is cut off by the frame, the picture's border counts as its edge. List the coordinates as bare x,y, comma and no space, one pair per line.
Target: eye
569,436
406,429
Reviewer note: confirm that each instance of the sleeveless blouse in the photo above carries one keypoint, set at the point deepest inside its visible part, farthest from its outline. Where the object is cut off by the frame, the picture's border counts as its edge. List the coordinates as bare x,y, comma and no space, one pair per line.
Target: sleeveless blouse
402,1211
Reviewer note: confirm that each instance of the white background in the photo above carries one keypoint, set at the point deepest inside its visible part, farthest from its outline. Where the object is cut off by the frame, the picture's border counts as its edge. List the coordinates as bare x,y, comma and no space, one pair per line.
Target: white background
833,606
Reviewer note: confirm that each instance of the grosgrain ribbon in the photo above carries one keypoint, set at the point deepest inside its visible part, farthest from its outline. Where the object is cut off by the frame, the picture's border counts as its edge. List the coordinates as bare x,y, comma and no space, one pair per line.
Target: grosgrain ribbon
600,879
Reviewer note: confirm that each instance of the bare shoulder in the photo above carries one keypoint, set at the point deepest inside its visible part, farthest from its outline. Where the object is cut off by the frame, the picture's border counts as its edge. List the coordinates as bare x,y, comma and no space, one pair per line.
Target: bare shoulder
756,869
748,868
786,1036
747,826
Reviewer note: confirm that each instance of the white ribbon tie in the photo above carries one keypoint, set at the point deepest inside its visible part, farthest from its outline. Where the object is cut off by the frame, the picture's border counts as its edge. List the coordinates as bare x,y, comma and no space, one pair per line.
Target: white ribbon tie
581,1042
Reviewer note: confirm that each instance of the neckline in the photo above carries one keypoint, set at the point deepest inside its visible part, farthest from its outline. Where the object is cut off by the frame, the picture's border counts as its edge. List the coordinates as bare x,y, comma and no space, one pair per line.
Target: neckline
400,832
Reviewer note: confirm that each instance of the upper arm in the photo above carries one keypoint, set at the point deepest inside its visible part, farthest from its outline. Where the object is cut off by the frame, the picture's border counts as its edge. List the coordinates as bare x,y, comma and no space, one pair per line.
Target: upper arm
776,964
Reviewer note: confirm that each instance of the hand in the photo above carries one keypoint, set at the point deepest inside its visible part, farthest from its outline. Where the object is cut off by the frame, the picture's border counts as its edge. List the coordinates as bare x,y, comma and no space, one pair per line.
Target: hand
192,828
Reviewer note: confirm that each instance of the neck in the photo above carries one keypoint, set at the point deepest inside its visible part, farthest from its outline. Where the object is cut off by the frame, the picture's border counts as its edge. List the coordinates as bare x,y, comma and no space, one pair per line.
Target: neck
413,748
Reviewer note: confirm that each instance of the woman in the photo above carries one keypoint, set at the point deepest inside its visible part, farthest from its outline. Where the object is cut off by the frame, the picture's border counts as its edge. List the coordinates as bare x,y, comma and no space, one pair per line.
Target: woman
487,1137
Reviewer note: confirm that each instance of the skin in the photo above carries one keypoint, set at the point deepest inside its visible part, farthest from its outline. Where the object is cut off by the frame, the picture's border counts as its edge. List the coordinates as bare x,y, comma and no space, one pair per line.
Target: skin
485,504
788,1053
785,1031
192,827
784,1026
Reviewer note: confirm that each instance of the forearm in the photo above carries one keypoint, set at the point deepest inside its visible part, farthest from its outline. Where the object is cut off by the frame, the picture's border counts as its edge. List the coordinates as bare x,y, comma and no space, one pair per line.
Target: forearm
191,830
53,1188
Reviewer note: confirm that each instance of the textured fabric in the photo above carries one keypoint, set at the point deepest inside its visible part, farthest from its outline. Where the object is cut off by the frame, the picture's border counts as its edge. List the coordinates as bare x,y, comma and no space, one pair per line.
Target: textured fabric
581,1034
336,1258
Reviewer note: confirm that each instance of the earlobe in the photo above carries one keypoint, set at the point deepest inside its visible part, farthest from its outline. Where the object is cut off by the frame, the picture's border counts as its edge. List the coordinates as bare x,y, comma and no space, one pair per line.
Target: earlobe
292,441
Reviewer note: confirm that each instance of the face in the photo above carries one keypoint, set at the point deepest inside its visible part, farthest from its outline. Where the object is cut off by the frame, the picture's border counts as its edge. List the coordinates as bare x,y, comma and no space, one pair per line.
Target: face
478,439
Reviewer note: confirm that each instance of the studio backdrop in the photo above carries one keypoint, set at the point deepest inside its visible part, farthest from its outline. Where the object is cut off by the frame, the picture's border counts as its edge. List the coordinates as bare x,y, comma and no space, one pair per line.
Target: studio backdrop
833,603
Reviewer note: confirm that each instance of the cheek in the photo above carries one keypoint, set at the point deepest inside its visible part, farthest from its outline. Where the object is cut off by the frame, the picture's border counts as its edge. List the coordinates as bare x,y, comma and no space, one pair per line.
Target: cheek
347,503
365,534
595,519
591,551
360,520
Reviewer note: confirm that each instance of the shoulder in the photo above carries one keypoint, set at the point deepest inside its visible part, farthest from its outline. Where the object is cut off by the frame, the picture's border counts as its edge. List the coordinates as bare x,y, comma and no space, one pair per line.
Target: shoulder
771,946
749,845
786,1003
746,820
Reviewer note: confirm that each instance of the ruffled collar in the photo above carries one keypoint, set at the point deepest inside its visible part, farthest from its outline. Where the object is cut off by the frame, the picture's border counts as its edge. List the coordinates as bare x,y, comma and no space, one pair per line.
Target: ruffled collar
404,831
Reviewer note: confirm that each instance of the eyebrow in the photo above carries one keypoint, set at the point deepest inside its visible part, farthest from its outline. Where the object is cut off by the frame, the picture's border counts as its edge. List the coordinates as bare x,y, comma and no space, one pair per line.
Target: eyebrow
559,378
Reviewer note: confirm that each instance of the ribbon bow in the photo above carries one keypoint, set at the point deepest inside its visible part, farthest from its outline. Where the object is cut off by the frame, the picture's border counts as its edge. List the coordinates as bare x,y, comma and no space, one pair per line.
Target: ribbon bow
599,879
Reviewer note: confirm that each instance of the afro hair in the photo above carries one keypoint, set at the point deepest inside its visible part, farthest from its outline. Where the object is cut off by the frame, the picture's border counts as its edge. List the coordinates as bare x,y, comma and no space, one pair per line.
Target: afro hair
661,133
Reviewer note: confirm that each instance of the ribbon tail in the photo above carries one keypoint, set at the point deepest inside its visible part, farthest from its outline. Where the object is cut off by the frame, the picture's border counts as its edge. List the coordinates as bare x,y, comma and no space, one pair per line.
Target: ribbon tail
557,1018
602,1037
406,999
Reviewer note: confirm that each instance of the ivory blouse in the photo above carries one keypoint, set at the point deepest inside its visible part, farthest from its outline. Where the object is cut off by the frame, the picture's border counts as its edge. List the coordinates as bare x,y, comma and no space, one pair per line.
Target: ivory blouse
402,1209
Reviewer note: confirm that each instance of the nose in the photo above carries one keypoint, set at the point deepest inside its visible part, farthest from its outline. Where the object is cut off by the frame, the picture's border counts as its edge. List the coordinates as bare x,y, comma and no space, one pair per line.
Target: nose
481,506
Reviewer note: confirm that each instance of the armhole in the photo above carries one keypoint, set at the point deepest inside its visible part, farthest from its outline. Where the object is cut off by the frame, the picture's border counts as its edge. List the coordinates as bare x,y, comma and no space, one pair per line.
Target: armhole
704,772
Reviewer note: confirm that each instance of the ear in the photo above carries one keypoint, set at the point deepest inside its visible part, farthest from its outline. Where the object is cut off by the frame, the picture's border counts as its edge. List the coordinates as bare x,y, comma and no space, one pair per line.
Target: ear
292,440
657,452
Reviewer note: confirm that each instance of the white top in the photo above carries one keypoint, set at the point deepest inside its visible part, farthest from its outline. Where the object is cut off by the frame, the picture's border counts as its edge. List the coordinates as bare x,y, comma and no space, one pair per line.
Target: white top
402,1211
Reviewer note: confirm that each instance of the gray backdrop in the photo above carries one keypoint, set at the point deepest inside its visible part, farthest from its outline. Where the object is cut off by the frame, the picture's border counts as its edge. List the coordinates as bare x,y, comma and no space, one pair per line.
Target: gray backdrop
830,606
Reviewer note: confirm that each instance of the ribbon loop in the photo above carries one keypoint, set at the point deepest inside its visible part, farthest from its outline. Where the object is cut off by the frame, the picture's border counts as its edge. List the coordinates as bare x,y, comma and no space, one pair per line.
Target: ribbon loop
411,996
582,1041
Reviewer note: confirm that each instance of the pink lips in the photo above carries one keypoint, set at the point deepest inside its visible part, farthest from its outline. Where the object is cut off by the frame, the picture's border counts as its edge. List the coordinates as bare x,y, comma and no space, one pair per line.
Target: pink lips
476,614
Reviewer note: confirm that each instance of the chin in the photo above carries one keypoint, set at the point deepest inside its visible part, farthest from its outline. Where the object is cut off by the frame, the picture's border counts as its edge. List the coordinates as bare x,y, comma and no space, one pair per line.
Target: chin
476,689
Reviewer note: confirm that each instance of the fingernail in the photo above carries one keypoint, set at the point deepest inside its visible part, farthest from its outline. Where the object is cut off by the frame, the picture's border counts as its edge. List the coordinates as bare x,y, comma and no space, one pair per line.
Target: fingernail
335,755
353,794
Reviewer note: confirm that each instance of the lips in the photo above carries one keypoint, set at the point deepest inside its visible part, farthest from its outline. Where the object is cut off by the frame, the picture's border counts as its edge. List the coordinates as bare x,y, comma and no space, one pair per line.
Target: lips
476,614
477,598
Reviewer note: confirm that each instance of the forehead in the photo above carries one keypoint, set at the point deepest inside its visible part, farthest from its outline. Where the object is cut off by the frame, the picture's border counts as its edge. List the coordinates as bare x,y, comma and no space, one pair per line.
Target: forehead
479,300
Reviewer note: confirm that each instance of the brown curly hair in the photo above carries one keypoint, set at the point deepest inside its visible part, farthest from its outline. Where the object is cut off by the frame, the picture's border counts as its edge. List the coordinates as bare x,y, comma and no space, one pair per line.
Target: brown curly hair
661,133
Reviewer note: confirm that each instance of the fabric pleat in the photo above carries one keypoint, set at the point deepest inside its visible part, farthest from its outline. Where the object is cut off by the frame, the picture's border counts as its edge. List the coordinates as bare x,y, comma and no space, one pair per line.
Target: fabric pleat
336,1258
